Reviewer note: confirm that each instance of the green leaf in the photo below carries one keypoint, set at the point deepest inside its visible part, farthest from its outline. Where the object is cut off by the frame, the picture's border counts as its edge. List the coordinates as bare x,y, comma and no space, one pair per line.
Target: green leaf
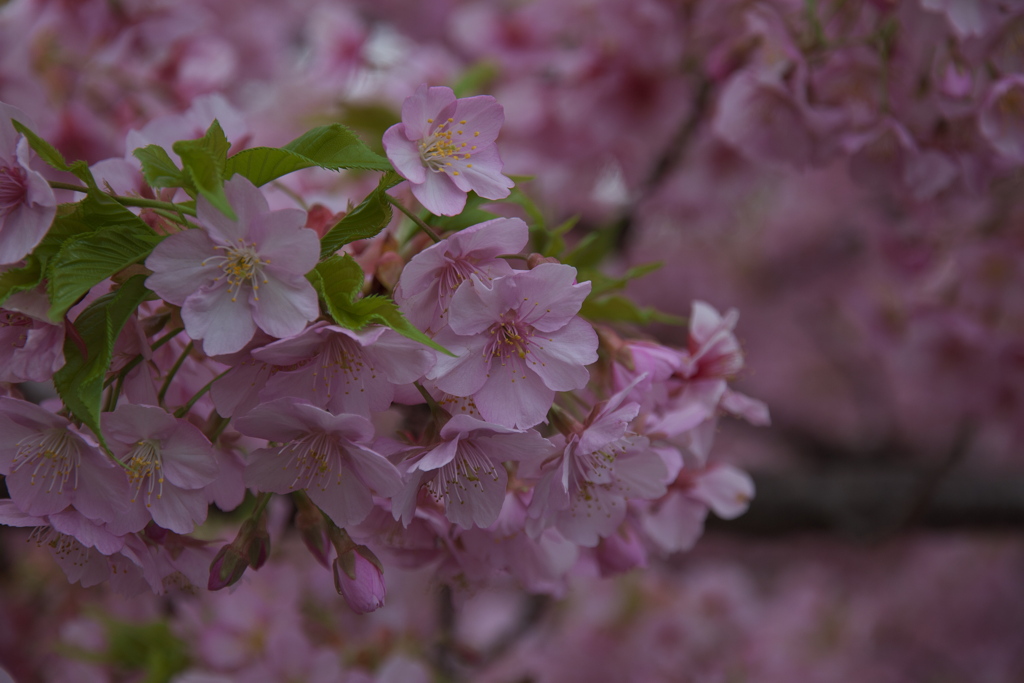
533,213
371,120
604,283
50,155
44,149
593,248
552,242
20,279
339,280
204,162
65,226
366,220
617,308
158,168
380,309
80,382
106,238
332,147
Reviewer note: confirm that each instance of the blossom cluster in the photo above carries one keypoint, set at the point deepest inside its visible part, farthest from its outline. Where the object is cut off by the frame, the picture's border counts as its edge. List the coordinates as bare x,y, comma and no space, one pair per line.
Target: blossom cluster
456,405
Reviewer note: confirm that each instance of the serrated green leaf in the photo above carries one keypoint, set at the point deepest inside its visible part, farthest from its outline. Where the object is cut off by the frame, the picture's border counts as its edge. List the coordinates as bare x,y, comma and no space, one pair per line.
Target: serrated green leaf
102,238
50,155
380,309
31,274
366,220
263,164
44,149
333,147
80,382
158,168
339,280
82,171
20,279
204,162
618,308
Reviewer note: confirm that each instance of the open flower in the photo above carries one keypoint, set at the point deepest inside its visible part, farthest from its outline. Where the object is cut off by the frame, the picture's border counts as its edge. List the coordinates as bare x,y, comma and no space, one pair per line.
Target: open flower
27,204
464,471
49,465
445,147
31,348
431,277
517,342
237,275
326,455
583,491
168,462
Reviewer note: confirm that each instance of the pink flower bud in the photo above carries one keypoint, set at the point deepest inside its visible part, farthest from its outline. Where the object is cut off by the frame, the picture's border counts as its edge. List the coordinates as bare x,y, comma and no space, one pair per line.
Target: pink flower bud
227,567
359,577
620,552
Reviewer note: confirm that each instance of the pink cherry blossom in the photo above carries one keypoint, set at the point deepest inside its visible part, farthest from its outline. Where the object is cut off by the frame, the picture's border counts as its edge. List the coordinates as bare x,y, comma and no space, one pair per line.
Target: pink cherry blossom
50,465
583,491
445,148
676,521
79,545
431,277
168,462
465,470
343,371
31,348
687,412
27,204
516,343
326,455
235,276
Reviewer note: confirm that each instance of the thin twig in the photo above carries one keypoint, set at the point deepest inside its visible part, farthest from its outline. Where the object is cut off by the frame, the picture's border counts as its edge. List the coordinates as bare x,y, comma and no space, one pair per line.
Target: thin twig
415,219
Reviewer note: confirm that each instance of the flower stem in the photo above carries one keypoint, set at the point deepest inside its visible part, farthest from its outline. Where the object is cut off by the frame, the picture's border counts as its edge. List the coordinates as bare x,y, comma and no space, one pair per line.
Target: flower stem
173,371
183,410
415,219
140,202
139,358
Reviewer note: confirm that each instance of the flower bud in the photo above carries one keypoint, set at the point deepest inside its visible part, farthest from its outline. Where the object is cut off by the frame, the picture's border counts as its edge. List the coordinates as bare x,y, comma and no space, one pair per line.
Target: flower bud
620,552
254,541
359,577
534,260
312,527
227,567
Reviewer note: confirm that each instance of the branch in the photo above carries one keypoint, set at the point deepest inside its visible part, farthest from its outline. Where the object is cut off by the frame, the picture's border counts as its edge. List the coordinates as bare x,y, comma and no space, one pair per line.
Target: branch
872,504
